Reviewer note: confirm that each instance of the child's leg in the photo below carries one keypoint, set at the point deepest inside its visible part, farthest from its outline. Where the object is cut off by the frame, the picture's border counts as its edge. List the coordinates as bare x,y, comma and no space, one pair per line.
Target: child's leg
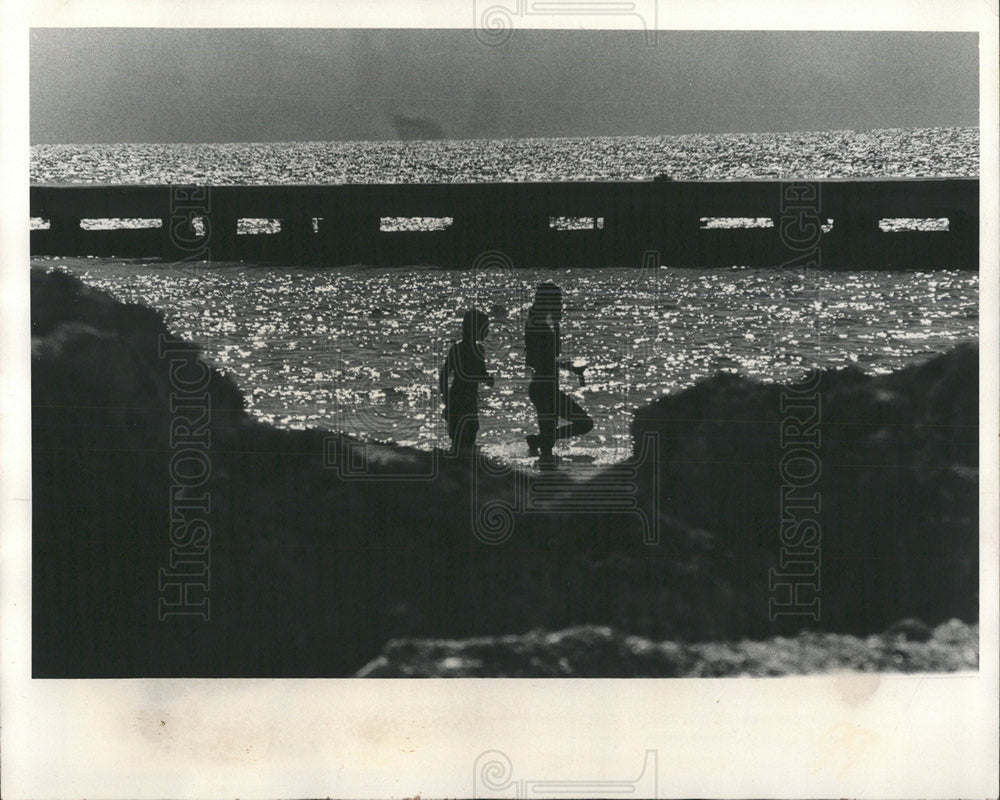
465,436
542,394
579,421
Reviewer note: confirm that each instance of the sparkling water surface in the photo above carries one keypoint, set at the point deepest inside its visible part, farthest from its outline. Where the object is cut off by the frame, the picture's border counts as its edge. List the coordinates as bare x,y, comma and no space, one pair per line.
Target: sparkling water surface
888,152
358,349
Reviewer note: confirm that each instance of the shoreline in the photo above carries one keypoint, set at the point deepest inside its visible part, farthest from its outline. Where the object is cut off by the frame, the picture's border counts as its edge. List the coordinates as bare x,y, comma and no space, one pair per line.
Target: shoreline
321,552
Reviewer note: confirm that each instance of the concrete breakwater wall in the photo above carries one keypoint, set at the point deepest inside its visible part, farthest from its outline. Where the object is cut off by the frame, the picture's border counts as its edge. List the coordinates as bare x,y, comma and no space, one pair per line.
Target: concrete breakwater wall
834,224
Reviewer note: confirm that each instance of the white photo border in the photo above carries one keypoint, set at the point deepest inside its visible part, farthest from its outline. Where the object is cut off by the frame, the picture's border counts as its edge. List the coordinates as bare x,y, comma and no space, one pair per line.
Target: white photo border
848,735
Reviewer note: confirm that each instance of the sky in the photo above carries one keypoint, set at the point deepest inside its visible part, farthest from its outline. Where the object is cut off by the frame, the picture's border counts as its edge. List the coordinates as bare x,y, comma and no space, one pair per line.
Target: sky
91,85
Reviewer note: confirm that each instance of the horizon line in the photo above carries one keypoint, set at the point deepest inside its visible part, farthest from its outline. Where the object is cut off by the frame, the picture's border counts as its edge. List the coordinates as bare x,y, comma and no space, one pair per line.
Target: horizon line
518,138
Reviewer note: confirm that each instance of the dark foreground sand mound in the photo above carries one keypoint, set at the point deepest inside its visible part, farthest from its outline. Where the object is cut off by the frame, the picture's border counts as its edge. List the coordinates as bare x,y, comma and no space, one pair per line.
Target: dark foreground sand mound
312,553
886,467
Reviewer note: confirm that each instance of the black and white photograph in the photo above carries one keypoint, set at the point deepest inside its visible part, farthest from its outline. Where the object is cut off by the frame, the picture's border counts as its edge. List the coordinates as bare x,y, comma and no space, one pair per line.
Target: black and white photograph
558,342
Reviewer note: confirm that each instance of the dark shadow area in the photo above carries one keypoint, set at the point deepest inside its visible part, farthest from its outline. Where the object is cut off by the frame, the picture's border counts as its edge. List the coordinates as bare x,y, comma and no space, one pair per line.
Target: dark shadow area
311,569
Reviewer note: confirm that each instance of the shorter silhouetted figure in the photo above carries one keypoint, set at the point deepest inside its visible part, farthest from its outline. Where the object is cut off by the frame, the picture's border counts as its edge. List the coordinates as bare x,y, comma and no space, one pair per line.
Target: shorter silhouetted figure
464,369
542,347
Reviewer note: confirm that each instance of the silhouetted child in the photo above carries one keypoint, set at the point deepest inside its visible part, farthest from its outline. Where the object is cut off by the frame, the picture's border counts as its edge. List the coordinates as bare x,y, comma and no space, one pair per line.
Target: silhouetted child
542,347
461,398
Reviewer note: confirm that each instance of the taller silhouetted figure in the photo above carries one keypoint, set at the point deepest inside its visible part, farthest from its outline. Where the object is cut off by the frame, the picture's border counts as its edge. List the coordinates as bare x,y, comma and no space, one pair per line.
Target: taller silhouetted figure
542,347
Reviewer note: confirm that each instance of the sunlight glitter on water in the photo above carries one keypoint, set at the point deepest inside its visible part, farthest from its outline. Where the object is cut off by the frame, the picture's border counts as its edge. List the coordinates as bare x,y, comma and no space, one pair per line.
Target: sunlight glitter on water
358,349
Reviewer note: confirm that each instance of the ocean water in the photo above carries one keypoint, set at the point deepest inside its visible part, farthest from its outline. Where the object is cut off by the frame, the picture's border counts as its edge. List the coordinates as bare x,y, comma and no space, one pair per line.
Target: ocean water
895,152
358,349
